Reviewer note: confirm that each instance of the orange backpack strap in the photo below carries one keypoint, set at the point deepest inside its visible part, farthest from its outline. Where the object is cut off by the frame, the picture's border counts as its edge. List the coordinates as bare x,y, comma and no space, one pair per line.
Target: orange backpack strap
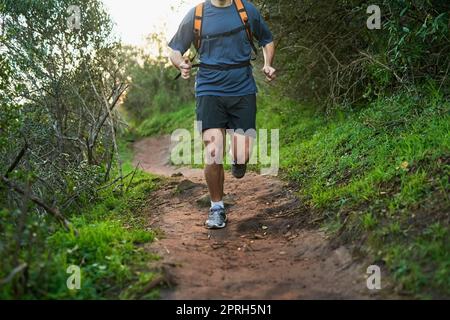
244,18
198,20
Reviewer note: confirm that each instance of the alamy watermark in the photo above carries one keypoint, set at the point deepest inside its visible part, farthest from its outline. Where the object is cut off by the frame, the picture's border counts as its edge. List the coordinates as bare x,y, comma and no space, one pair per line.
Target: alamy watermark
74,19
373,281
374,21
74,280
232,146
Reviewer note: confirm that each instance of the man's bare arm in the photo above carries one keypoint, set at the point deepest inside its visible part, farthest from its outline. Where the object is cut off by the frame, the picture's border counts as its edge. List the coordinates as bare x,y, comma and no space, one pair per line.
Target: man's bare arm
181,63
269,55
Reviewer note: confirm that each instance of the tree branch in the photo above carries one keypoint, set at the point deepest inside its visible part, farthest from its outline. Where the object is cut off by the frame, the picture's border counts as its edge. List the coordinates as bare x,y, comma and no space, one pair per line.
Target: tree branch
12,274
52,211
17,159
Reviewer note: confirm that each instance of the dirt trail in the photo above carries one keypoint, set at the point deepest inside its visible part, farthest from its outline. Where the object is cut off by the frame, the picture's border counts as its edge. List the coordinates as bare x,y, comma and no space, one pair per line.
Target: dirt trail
264,253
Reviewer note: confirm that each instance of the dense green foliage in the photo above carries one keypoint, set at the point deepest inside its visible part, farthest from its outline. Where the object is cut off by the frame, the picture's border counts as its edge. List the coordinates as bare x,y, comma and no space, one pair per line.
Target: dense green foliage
107,246
153,90
341,61
59,87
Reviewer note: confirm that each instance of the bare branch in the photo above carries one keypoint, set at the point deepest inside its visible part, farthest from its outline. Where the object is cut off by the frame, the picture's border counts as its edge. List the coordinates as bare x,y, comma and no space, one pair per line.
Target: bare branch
17,159
52,211
13,273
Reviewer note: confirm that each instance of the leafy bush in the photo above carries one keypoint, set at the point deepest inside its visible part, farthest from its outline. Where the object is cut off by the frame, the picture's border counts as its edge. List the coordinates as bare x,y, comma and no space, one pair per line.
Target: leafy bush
326,52
107,246
58,91
153,90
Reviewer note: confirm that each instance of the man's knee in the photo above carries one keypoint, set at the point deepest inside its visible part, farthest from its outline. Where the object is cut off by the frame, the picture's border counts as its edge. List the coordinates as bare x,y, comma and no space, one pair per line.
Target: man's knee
214,153
214,146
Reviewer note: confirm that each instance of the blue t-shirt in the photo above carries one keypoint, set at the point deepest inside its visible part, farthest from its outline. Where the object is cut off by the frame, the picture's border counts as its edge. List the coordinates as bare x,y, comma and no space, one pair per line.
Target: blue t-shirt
231,49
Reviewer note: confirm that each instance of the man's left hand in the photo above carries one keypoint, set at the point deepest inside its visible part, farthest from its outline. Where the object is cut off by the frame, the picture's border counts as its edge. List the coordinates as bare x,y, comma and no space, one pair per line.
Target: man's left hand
269,72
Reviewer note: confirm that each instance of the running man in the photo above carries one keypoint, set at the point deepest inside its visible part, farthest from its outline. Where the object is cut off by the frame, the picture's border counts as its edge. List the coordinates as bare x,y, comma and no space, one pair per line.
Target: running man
222,31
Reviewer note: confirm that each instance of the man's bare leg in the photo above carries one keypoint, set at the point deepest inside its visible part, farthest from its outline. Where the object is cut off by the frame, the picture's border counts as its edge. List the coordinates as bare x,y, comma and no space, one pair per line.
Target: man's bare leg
214,140
214,175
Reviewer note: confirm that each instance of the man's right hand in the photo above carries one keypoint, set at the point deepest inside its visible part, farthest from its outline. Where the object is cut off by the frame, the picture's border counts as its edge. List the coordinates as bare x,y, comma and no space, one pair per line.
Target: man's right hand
185,68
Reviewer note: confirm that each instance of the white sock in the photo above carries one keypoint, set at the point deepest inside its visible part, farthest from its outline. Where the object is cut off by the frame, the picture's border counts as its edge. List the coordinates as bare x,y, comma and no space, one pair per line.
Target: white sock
218,203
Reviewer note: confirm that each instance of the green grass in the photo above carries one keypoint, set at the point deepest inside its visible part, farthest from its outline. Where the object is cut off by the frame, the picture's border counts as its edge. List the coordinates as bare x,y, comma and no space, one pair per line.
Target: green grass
379,174
166,123
108,246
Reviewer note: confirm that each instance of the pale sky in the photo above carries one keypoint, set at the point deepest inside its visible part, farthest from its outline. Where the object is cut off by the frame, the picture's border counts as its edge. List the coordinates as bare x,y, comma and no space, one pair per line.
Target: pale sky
136,19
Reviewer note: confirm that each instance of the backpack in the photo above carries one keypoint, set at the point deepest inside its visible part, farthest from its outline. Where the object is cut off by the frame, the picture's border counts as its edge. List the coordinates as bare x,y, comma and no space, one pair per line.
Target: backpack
198,37
198,21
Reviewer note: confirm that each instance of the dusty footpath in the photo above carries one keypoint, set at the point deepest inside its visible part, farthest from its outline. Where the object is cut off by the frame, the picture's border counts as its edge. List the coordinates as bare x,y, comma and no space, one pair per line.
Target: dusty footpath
267,251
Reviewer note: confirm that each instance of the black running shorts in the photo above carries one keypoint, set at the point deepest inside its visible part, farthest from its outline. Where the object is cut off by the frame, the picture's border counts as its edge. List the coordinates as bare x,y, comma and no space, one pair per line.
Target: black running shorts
216,112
